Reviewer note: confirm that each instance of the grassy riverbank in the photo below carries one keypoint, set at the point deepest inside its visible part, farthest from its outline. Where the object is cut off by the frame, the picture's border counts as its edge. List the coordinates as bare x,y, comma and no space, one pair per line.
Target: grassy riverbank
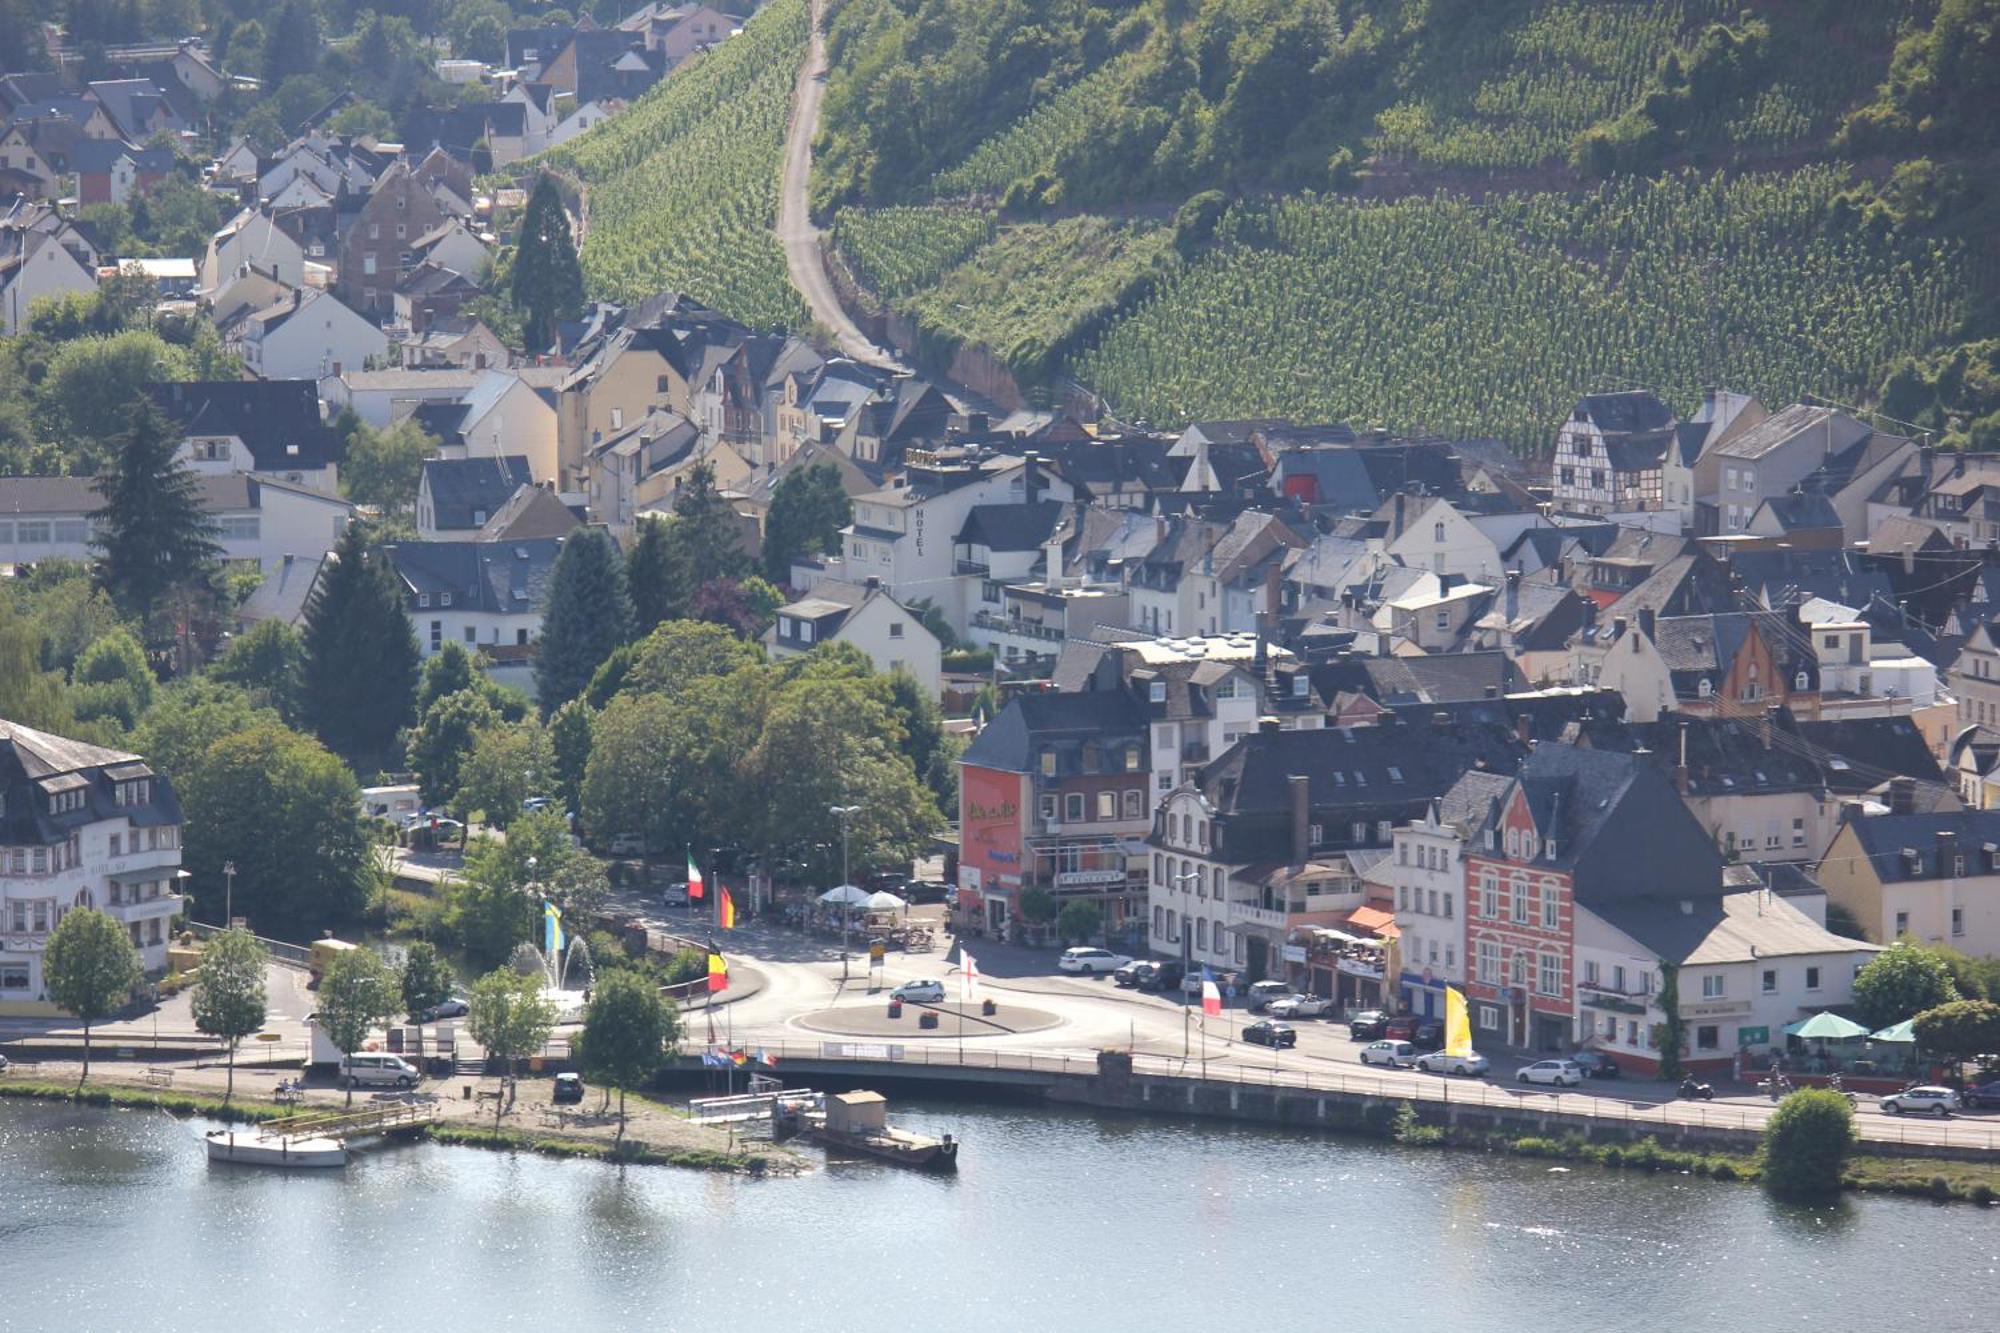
631,1151
1929,1178
161,1099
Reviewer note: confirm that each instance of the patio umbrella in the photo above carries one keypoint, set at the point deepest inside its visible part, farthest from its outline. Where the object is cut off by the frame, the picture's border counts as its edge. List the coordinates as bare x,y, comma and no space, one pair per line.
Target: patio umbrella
885,902
1903,1031
844,895
1827,1027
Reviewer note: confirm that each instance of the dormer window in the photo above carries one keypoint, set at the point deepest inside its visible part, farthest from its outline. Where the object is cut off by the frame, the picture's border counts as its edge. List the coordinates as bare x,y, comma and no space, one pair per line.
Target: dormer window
1704,689
444,599
1157,691
1300,685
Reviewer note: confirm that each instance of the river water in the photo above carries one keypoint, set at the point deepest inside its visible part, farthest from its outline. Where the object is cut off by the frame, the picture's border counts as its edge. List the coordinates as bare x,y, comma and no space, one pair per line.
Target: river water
115,1220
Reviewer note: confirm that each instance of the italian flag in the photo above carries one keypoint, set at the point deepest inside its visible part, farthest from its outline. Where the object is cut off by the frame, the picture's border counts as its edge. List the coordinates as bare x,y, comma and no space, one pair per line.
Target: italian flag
694,880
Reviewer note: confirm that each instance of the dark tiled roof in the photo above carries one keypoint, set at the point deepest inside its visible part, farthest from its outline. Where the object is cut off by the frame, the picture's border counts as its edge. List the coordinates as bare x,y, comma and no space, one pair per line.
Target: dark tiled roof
277,420
1625,413
30,758
1011,527
462,487
1438,678
1010,740
1885,838
497,577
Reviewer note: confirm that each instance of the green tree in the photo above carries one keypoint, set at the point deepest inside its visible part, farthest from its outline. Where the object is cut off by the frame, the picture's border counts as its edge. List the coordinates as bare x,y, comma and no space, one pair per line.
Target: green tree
450,669
384,468
509,763
89,969
587,613
112,680
288,814
809,507
932,755
28,694
707,531
66,607
357,992
153,530
268,661
361,654
1671,1036
678,653
656,574
1038,906
229,999
570,730
443,741
1806,1144
190,715
362,118
1079,921
510,1017
627,1032
1902,981
426,979
93,386
547,281
1960,1031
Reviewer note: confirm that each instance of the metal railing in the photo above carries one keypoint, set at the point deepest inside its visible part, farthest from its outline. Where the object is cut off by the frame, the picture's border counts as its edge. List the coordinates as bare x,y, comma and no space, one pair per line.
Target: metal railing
940,1052
291,955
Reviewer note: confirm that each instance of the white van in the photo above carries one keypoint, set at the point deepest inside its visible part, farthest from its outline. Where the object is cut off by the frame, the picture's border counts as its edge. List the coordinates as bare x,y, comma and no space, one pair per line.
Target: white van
369,1069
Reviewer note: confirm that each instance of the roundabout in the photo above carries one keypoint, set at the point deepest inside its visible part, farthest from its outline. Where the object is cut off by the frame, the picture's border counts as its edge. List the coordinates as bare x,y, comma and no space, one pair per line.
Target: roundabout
871,1019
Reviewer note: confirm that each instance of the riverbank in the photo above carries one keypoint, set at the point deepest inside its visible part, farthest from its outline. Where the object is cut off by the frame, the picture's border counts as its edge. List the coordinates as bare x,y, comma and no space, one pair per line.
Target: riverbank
655,1134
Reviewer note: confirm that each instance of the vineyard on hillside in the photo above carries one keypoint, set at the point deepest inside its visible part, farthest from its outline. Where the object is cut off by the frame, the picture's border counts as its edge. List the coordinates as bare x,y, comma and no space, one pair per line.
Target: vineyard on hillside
1490,320
684,185
897,250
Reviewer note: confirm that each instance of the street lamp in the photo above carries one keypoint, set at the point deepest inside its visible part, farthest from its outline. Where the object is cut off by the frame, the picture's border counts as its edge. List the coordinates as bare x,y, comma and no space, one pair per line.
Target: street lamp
228,894
842,812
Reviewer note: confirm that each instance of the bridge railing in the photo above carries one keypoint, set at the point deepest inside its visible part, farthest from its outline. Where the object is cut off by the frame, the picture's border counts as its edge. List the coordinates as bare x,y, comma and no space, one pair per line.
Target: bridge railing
291,955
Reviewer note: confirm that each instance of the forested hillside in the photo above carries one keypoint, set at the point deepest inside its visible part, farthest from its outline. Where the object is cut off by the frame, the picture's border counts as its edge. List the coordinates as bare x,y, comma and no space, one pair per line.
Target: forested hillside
1445,214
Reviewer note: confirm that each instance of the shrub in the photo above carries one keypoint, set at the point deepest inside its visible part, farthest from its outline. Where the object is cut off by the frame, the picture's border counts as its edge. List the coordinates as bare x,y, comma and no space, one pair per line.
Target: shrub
1982,1195
1807,1142
1721,1168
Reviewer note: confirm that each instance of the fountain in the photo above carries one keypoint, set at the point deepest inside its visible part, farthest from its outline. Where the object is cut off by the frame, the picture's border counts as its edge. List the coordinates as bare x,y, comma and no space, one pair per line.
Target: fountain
565,977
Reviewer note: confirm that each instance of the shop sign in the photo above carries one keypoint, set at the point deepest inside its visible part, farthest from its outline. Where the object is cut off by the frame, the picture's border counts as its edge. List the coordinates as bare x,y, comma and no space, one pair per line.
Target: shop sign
1292,953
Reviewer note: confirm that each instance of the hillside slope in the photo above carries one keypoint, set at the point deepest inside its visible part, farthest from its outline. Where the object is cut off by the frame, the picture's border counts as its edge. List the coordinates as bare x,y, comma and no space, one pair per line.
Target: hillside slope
1443,214
683,188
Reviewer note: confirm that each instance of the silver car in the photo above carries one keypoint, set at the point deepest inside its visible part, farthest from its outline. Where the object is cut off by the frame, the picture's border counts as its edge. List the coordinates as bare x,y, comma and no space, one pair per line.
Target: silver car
1298,1006
1395,1054
1921,1101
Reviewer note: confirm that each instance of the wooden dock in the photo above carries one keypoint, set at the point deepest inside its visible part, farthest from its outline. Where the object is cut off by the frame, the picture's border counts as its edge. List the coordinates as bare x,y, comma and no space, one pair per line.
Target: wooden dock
388,1118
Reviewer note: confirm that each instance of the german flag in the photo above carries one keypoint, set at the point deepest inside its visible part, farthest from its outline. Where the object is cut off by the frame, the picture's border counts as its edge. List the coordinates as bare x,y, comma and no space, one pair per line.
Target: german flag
718,973
725,908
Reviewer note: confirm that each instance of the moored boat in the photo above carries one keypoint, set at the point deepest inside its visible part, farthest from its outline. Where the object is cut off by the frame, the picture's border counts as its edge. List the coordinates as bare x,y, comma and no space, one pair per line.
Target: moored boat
250,1148
858,1122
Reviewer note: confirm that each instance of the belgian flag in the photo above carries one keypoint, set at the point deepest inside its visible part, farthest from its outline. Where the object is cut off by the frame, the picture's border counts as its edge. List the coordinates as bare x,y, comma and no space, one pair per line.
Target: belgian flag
718,973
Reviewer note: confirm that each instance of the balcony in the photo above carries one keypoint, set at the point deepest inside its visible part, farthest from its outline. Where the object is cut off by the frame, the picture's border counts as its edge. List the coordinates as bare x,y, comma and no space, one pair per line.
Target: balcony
974,568
1591,995
1194,752
1027,629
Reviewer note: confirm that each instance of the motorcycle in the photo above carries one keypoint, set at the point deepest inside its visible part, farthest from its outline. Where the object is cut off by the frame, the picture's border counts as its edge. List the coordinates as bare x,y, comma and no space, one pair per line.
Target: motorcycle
1834,1083
1696,1091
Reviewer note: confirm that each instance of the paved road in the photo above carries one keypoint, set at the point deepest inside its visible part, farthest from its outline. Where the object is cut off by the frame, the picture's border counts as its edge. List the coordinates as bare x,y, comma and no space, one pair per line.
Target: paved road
795,227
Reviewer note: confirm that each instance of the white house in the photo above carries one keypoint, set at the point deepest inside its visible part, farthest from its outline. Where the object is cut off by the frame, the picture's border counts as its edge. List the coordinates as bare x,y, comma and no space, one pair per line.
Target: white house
33,265
260,521
87,827
1620,655
252,240
271,427
1425,532
485,595
587,116
891,635
502,415
382,397
453,245
309,335
1427,874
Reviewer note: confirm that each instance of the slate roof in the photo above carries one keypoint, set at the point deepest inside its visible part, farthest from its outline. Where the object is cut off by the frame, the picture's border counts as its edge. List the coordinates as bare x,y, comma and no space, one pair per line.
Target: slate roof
1885,838
277,420
505,578
531,512
1010,740
34,763
1774,431
461,487
1734,927
1624,413
1437,678
1011,527
1694,647
1874,749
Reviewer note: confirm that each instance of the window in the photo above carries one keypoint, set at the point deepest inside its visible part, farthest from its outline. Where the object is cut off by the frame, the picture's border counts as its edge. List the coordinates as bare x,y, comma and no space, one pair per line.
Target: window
1551,909
617,418
1489,898
471,634
1489,1018
1590,972
1523,901
1201,933
1958,920
1770,981
1488,970
1157,692
1073,807
368,264
1107,805
1437,532
1902,924
1708,1037
896,629
1048,763
1799,831
1812,978
1447,907
1402,898
1550,980
1359,832
1315,834
1711,986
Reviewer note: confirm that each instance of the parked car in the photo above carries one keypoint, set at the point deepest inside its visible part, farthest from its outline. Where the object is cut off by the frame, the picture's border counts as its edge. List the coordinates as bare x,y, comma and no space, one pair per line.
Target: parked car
452,1008
1262,993
1921,1101
927,891
1299,1006
534,803
1266,1032
1368,1025
675,894
1596,1064
375,1069
1163,977
627,844
1429,1035
569,1088
1395,1054
1090,961
919,992
1560,1073
1985,1096
1437,1062
1133,973
1403,1027
3,1064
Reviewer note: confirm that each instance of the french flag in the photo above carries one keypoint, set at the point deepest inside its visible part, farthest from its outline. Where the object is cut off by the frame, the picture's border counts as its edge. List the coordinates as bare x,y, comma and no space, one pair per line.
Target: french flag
1211,997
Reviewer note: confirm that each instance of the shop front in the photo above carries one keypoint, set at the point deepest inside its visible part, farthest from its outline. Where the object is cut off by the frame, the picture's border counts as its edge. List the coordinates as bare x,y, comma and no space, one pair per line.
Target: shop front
1423,993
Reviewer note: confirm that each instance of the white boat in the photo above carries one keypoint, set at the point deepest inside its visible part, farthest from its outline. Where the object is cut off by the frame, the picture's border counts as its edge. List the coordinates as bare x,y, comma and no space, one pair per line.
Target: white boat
250,1148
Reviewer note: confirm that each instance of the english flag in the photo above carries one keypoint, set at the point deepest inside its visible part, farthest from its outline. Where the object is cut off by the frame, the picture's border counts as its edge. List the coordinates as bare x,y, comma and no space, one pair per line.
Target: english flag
1211,997
971,976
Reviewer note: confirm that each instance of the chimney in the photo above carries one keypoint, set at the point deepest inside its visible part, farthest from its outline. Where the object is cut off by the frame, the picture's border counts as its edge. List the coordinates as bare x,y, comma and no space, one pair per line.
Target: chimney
1648,618
1396,524
1524,727
1301,817
1053,557
1902,796
1269,726
1947,849
872,583
1618,624
1764,726
1909,559
1681,768
1031,477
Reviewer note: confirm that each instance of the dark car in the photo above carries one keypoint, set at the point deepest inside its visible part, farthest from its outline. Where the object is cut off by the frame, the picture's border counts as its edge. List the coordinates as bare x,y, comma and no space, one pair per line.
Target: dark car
1428,1036
1403,1027
1133,973
452,1008
569,1088
926,891
1269,1032
1164,976
1984,1097
1596,1064
1368,1025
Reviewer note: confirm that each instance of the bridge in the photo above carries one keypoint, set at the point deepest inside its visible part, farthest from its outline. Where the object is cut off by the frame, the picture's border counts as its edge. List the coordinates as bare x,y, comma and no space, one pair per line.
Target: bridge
386,1118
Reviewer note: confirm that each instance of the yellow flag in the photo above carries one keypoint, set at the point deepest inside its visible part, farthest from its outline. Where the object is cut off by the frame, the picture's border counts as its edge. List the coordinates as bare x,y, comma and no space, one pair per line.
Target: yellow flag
1457,1024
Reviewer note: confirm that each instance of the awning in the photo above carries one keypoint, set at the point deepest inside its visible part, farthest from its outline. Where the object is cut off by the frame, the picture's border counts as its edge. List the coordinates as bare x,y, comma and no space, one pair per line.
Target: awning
1826,1027
1903,1031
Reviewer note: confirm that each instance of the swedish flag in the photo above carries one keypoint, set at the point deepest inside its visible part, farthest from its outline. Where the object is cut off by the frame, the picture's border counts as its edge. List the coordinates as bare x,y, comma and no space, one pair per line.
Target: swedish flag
552,930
